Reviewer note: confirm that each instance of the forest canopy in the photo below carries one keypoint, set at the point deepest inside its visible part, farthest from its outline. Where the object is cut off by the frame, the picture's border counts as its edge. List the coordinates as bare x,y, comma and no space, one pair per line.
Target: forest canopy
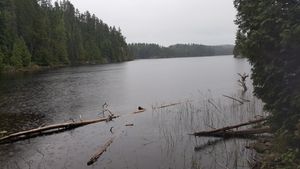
49,34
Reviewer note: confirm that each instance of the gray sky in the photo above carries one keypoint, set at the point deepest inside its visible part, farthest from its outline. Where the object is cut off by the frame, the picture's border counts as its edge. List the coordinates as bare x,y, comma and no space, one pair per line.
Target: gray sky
167,22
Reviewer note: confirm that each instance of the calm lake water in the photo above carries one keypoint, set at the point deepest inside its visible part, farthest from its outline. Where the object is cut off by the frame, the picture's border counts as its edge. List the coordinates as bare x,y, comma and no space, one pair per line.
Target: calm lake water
159,137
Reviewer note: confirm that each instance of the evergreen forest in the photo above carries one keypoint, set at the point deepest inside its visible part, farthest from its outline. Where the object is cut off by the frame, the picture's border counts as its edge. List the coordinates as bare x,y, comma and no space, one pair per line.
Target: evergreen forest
42,33
269,36
144,50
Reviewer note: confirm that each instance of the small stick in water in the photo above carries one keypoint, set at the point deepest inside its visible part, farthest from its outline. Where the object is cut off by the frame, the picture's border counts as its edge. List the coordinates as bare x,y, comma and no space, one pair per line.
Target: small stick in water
234,99
100,151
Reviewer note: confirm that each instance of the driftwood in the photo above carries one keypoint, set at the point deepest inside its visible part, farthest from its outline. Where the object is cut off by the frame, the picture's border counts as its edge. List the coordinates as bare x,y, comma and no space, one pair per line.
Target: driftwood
50,129
239,134
241,102
167,105
100,151
139,111
224,129
171,104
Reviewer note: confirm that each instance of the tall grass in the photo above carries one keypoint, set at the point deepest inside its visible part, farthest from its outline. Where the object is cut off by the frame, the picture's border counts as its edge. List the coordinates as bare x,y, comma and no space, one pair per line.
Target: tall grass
205,113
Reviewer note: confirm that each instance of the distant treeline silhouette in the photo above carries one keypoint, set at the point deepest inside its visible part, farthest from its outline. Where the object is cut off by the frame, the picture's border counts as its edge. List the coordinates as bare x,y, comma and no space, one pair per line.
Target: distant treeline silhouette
144,50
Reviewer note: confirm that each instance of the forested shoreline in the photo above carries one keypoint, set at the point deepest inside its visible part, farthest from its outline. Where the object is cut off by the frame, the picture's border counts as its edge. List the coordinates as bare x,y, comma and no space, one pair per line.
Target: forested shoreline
151,50
268,36
40,33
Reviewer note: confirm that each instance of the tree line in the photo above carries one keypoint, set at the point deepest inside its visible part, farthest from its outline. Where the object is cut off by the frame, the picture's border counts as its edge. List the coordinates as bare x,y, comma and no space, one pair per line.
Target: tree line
269,36
38,32
144,50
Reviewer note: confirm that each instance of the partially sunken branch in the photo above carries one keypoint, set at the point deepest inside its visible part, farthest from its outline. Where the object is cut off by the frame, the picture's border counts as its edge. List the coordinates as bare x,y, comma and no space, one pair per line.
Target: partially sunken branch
242,81
100,151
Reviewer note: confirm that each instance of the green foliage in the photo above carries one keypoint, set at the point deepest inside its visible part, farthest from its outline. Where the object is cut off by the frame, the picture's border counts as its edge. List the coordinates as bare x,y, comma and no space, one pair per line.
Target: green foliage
289,157
20,54
143,50
7,28
269,36
238,45
1,60
56,35
58,42
271,31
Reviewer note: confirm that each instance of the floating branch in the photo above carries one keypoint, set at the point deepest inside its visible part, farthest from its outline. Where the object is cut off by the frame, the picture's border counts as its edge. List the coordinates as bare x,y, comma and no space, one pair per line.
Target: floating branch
100,151
169,105
241,102
139,111
50,129
224,129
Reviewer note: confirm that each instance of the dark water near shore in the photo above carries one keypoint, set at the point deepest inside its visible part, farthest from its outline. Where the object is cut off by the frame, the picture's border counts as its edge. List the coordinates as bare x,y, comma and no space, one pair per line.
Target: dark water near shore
159,137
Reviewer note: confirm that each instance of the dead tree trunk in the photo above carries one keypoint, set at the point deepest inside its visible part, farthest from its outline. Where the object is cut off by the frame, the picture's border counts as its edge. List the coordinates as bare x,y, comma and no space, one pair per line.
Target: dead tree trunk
240,133
51,128
224,129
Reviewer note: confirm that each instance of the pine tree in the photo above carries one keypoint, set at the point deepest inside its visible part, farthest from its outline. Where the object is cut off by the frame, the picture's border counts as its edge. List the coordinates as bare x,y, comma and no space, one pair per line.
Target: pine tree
7,27
20,54
58,39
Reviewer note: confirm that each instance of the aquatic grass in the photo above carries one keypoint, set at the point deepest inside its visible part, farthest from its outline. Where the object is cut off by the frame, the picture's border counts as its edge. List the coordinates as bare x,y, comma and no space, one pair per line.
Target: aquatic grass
205,113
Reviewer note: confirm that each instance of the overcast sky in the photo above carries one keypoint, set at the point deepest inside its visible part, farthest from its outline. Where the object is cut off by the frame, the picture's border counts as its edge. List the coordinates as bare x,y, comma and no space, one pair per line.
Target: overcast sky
167,22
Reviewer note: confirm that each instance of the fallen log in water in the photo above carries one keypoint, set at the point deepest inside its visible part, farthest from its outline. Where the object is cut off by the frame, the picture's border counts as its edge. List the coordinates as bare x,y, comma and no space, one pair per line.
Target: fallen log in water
240,133
50,129
224,129
100,151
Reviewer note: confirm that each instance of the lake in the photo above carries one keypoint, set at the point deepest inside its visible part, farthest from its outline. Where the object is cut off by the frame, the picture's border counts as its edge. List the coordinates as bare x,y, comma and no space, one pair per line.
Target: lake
160,136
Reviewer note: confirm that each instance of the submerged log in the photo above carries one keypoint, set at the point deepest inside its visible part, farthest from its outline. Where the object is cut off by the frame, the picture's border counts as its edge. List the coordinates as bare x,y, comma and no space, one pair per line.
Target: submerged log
240,133
224,129
209,143
100,151
51,128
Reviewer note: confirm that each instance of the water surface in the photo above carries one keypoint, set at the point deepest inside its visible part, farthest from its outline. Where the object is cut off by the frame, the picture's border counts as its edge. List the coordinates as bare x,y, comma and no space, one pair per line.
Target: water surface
159,137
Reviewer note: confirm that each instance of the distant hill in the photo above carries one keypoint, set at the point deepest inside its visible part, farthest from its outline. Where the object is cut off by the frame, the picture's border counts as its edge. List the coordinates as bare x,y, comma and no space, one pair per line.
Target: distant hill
144,50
